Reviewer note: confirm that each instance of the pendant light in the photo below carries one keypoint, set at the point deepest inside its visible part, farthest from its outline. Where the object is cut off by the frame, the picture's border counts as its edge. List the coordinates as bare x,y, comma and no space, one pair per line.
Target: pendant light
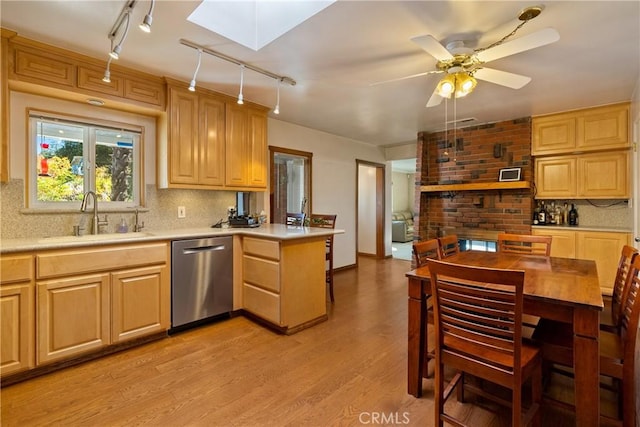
192,85
277,109
240,97
148,18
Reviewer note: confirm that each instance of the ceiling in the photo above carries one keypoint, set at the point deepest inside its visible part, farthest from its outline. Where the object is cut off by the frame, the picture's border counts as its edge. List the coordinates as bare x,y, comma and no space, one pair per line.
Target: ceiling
335,55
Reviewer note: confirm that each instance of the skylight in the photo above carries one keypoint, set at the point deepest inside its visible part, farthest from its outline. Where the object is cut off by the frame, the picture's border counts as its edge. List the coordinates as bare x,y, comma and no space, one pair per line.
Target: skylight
255,23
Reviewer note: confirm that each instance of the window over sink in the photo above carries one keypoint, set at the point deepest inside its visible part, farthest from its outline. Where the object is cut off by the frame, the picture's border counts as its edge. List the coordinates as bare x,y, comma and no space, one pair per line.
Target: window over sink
69,156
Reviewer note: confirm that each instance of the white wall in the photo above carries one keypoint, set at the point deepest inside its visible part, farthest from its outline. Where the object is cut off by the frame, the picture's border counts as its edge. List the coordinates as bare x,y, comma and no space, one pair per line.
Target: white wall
333,179
403,191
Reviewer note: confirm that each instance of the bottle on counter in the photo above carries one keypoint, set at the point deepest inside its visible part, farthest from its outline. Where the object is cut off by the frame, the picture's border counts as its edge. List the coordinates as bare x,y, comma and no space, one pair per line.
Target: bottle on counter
542,216
536,213
573,215
551,214
559,217
565,214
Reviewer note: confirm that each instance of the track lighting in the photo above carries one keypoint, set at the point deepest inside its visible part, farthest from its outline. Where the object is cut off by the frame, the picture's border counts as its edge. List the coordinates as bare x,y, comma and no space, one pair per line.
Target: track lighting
240,97
277,109
192,85
148,18
115,53
107,72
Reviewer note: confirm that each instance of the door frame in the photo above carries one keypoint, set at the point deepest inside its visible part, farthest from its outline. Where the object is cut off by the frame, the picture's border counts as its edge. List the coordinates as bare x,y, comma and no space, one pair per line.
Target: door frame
273,150
380,206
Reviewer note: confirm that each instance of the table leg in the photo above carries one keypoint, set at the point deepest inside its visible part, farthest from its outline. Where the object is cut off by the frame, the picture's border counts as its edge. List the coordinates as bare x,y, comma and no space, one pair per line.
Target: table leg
586,350
416,327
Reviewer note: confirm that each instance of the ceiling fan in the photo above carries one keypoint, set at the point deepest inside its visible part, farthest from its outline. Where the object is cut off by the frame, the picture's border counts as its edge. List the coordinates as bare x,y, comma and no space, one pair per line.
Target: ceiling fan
463,65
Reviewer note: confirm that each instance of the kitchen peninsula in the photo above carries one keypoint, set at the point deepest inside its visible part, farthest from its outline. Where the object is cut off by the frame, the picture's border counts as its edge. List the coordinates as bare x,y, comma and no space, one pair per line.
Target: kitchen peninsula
122,283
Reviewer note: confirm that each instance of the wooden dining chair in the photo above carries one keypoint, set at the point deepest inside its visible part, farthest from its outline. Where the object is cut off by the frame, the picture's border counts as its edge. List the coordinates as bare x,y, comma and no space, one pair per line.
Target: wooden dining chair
422,251
610,319
478,330
295,218
449,245
617,350
524,244
326,221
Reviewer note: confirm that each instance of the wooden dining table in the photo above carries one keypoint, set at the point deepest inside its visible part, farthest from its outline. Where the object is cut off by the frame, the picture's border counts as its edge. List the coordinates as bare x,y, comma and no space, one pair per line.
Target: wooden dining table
561,289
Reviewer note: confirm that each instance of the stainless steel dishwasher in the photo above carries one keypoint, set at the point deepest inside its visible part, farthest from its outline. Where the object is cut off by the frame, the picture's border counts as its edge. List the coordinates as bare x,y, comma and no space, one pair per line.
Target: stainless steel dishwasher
201,280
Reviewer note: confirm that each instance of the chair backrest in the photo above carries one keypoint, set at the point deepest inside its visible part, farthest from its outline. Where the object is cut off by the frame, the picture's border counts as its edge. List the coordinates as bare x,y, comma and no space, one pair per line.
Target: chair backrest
524,244
478,318
322,220
449,245
295,218
424,250
619,285
630,310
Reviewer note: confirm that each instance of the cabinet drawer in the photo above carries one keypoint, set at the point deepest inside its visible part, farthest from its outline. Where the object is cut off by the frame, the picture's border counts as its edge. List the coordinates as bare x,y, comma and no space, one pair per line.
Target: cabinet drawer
261,272
83,260
262,248
17,268
261,302
91,79
34,66
148,92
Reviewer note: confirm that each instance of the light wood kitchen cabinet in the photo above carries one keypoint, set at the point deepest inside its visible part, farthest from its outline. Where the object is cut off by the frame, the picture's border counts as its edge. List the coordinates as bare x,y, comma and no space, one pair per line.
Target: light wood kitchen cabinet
584,176
73,316
563,243
283,282
89,298
603,247
213,143
196,132
139,302
246,144
17,324
593,129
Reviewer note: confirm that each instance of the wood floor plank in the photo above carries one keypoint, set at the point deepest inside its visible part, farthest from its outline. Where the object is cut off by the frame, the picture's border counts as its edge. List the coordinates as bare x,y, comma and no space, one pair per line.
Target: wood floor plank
347,371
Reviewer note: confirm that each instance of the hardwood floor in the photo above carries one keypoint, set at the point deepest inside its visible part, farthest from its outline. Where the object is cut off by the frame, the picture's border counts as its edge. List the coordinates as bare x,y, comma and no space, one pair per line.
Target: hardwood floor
350,370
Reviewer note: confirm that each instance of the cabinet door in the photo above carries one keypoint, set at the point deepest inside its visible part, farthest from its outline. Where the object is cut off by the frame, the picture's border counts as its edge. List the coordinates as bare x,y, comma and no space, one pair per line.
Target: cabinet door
73,316
553,134
140,302
212,137
16,327
556,177
257,139
236,146
604,128
563,242
183,137
603,175
604,248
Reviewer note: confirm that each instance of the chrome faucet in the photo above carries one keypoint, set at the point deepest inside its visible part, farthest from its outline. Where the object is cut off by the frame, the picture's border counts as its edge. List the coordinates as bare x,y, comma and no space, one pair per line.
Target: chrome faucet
83,208
137,226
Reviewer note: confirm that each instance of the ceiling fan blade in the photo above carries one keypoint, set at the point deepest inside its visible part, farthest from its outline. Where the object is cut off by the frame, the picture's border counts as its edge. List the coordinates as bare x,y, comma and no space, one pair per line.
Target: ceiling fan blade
530,41
433,47
503,78
405,77
435,99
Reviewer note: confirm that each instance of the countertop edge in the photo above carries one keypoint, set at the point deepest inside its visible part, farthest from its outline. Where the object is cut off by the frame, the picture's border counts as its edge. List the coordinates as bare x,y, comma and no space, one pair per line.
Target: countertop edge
582,228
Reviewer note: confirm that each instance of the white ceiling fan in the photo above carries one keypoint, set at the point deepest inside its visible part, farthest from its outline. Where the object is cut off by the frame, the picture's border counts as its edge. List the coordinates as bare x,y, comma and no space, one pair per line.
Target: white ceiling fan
463,65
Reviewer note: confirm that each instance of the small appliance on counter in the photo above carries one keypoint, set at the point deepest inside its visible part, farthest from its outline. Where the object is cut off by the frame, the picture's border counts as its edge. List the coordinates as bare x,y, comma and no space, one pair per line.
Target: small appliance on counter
240,217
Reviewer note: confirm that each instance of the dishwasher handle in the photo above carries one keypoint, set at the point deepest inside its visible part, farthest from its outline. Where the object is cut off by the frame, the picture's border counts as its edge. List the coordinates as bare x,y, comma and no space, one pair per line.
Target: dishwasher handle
200,249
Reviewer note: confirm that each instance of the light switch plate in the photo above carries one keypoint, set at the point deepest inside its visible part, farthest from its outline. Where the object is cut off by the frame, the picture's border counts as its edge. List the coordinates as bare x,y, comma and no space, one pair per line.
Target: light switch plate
182,212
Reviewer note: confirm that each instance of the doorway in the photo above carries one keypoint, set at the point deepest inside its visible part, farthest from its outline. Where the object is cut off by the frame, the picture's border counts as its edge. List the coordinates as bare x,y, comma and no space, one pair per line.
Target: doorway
370,202
290,183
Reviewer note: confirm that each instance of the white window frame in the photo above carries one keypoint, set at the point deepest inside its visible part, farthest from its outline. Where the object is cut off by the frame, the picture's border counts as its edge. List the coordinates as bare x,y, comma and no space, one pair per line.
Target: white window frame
91,125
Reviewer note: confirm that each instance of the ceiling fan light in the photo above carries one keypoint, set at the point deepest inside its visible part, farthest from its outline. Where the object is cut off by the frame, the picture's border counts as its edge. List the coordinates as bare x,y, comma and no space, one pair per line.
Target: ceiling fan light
446,86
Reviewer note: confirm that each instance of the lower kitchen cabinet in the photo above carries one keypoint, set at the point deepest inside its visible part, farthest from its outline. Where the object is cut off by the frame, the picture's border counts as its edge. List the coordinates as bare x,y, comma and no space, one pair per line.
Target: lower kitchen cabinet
73,316
17,324
603,247
283,282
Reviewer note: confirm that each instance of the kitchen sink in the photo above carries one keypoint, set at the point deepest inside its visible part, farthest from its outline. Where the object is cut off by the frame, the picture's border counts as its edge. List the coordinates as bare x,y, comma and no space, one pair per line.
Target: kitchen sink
94,237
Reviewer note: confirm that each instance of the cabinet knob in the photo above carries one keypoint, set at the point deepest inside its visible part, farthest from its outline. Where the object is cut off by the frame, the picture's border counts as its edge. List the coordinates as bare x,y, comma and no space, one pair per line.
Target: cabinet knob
637,239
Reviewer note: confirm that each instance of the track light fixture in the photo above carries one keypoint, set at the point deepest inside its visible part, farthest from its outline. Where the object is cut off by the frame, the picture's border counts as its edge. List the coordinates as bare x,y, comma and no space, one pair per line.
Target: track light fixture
277,109
107,72
148,18
240,97
192,85
243,65
123,18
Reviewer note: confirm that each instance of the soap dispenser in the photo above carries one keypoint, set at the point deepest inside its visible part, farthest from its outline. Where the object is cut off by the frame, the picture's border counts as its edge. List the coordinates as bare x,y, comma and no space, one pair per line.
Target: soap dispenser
122,227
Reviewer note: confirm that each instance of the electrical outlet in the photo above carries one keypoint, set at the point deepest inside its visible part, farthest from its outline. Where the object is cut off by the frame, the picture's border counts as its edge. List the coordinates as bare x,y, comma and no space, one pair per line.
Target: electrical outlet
182,212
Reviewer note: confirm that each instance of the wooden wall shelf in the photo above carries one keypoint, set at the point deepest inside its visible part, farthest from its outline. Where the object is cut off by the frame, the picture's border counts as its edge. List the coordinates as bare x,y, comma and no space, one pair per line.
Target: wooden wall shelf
477,186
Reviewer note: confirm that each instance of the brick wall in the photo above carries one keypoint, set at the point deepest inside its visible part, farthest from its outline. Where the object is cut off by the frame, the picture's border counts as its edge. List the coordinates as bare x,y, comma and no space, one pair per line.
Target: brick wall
472,160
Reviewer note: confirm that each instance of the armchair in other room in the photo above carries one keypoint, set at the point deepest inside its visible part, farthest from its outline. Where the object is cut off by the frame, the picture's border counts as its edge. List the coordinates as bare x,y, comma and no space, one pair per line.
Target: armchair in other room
402,226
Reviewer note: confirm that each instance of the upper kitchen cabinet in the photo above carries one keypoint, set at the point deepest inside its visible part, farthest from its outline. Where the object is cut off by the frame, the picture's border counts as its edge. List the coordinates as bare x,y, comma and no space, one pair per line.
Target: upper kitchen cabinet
593,129
212,142
48,70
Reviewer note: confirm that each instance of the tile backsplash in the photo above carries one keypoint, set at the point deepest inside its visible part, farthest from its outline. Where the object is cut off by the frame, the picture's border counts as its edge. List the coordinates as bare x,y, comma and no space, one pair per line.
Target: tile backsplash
203,209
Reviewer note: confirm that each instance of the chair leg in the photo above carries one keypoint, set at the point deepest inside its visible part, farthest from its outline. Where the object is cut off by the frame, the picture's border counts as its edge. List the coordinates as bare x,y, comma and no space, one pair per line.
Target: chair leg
330,282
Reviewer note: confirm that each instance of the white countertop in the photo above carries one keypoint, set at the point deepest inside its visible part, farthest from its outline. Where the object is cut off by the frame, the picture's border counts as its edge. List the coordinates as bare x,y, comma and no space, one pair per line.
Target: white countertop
273,231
